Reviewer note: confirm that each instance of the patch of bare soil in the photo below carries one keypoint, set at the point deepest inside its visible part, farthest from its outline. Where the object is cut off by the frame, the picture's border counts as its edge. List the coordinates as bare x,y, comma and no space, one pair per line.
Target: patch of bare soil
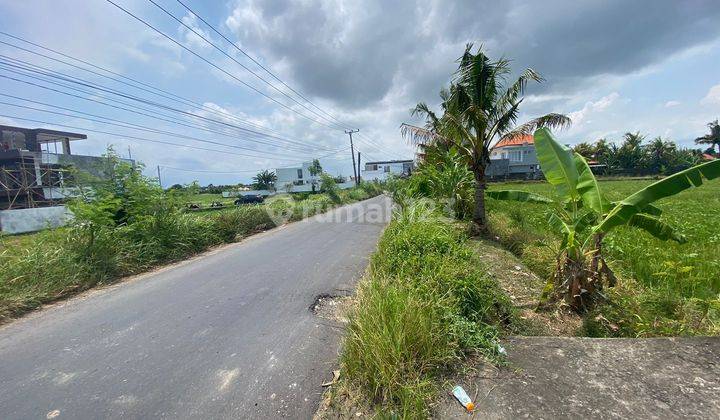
524,289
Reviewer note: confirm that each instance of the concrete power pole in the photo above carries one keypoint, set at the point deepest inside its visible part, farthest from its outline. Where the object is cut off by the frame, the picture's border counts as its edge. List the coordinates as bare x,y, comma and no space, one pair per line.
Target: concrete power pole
359,166
159,179
352,150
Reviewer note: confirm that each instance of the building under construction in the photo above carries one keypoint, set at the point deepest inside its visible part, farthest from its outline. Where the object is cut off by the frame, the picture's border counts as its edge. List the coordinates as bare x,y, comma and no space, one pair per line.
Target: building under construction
36,167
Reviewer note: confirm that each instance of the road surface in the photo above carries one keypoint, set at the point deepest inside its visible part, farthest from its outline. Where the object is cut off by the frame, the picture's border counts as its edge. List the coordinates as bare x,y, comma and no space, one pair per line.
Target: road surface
225,335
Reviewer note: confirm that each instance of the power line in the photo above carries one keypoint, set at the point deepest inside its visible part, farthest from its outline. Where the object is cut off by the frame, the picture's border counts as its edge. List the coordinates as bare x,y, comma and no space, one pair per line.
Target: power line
257,63
144,86
209,42
125,136
29,67
171,39
132,126
244,130
174,121
164,93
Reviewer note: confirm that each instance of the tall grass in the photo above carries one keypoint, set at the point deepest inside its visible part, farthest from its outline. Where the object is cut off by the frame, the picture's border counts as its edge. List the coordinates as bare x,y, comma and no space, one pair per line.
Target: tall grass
57,263
425,302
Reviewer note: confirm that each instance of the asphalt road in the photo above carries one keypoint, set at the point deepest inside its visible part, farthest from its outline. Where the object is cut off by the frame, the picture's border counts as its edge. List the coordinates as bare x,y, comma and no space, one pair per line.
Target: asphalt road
225,335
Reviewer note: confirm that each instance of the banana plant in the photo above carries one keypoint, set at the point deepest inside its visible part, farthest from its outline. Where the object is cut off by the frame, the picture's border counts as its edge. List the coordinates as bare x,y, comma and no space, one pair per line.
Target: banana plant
582,216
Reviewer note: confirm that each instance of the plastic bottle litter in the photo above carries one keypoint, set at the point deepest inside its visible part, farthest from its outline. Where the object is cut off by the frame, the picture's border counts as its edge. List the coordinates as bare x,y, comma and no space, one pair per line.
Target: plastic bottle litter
462,396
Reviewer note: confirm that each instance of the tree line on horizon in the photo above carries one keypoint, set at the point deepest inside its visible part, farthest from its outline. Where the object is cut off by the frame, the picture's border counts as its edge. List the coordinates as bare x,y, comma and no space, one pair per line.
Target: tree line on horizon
634,155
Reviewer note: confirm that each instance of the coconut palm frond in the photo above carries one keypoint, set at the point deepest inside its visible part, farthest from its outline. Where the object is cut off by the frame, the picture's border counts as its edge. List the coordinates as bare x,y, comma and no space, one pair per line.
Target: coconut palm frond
551,121
518,88
418,135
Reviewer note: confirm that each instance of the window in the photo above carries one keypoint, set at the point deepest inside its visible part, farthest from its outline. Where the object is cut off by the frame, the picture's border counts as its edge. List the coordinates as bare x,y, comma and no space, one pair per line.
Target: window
387,168
299,173
516,156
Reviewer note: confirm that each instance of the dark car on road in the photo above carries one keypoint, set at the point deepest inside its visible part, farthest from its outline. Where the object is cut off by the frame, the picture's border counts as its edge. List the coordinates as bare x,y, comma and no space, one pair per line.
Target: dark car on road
249,199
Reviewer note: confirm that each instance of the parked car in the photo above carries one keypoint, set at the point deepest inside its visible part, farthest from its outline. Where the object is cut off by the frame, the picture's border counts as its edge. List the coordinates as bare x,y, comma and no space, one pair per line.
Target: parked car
249,199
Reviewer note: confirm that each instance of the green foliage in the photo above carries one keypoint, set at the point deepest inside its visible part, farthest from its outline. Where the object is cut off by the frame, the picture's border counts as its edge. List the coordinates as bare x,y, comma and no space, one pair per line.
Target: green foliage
329,187
265,180
426,302
666,187
632,157
654,275
582,214
315,168
712,138
479,108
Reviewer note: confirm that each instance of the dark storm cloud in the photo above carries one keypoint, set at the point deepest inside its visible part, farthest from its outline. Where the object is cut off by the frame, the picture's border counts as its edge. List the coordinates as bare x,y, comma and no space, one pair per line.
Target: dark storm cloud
356,52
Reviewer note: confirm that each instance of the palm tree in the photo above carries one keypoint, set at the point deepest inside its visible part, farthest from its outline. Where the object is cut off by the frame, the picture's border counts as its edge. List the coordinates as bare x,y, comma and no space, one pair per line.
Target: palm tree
713,138
630,154
659,155
585,149
479,109
265,180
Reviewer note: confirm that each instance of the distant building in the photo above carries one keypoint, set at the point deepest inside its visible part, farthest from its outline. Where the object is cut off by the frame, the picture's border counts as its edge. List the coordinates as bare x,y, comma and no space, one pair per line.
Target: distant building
287,178
380,170
514,158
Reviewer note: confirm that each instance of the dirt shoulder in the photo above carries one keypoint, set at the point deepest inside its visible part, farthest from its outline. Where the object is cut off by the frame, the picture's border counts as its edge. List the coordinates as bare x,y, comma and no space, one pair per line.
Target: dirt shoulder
524,288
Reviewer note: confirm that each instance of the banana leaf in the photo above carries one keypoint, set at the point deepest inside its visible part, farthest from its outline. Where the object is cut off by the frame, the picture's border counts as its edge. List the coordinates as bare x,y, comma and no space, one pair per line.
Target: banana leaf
588,187
517,195
656,228
627,208
556,162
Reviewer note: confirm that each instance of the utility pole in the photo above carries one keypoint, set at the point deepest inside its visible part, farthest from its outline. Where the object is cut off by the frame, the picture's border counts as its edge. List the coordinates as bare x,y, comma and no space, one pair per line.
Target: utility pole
129,153
359,166
352,150
159,179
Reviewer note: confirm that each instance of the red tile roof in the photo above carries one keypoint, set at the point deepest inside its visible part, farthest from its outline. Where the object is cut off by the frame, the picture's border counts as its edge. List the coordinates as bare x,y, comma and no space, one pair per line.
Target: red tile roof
515,141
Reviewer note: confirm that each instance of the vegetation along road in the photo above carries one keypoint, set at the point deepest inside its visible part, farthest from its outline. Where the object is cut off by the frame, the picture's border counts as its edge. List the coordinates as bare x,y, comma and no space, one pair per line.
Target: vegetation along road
228,334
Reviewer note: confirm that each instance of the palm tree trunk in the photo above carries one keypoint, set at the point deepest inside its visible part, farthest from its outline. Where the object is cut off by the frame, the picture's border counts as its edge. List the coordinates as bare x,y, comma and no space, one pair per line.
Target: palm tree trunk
479,216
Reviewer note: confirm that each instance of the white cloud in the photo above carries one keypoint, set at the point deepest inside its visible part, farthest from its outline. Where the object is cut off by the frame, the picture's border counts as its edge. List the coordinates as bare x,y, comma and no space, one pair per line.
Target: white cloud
580,116
712,97
670,104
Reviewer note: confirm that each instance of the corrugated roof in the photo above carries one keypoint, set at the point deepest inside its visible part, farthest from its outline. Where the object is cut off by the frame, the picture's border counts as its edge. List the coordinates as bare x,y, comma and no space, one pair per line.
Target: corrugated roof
515,141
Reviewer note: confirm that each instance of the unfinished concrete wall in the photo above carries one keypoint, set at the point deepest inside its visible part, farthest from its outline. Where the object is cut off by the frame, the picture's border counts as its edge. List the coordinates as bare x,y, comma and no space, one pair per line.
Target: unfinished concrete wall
31,220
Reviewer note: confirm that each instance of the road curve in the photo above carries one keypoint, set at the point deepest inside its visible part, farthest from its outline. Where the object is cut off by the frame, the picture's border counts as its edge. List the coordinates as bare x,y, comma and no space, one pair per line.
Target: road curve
225,335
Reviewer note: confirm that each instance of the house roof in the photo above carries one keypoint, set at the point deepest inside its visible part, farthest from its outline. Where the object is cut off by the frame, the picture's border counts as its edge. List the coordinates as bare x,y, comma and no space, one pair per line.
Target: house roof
708,156
45,135
515,141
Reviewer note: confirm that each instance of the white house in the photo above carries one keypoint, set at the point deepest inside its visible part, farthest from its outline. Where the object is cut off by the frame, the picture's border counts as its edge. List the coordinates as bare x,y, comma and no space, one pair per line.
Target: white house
520,154
382,169
295,176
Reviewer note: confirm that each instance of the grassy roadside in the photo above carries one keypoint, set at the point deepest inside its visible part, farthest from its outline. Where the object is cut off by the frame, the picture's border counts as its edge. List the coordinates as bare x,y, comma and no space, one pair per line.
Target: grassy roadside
55,264
425,304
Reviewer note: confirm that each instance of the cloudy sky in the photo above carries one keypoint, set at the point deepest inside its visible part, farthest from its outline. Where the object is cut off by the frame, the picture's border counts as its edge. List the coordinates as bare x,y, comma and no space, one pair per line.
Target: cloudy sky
613,66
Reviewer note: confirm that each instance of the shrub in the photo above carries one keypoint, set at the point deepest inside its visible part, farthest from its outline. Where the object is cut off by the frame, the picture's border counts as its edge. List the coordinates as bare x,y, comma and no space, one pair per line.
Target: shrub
329,187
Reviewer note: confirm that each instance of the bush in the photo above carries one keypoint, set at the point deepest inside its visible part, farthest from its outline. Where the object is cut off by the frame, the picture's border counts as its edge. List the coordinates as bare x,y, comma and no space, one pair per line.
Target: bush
329,187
